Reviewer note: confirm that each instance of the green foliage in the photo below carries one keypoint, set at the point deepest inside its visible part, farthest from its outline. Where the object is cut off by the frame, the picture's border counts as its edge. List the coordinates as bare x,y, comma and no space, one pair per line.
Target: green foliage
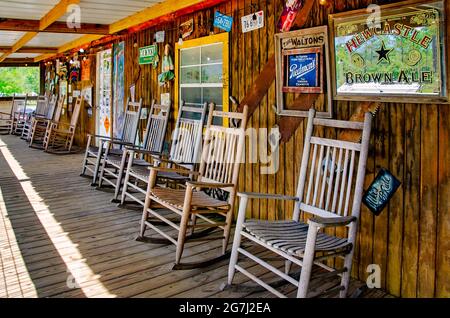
19,80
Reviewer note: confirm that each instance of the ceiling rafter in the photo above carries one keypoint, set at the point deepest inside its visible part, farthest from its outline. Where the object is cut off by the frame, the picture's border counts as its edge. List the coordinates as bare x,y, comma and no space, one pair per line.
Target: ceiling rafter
153,12
24,25
30,49
54,14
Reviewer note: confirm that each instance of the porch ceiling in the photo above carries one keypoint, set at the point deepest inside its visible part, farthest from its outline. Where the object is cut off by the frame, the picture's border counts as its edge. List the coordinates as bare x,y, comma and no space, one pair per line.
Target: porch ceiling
99,17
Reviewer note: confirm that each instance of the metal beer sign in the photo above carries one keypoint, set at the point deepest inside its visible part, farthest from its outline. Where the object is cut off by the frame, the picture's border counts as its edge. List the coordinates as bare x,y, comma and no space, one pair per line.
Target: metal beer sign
399,55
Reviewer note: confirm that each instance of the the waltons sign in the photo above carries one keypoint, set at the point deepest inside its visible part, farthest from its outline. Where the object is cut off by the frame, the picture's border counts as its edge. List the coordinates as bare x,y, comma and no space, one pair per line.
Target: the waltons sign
400,53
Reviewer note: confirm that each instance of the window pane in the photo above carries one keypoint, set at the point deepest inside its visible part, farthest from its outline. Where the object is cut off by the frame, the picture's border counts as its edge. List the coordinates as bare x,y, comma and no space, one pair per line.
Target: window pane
212,53
191,95
213,95
190,75
212,74
190,56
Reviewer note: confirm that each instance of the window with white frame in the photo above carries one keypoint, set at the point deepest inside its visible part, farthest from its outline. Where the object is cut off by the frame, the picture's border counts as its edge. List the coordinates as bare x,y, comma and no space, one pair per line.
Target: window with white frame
201,75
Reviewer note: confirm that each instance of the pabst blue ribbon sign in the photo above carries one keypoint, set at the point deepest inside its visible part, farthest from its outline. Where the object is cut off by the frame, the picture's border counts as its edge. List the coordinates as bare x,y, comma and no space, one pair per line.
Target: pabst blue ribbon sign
401,53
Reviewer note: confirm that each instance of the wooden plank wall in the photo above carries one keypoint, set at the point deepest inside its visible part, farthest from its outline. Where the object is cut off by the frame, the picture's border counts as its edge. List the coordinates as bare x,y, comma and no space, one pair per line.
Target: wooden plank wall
410,240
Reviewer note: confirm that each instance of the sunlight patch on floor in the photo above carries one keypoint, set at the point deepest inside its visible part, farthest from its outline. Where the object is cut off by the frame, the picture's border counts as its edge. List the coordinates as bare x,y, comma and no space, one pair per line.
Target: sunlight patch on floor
79,274
12,265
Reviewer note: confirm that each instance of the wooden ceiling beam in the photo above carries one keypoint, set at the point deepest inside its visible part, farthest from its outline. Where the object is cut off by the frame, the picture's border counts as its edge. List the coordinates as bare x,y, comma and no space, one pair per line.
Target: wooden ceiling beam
19,61
56,27
153,12
30,49
166,8
54,14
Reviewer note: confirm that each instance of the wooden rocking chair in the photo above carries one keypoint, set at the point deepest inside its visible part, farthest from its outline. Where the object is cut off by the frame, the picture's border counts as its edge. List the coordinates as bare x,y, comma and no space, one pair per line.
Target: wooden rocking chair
94,155
325,190
6,119
219,169
19,114
113,166
59,138
41,125
184,153
40,112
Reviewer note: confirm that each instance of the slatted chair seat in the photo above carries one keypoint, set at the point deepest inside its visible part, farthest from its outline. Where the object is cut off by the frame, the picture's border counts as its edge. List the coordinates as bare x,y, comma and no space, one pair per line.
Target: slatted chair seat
290,236
143,172
175,197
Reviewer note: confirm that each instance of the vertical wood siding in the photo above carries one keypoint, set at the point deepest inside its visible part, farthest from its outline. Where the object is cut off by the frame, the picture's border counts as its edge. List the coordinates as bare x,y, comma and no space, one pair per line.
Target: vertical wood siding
410,240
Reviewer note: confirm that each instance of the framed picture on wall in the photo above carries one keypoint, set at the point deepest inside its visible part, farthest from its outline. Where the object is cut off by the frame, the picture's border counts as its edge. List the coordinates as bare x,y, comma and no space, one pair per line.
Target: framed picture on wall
302,67
302,71
398,56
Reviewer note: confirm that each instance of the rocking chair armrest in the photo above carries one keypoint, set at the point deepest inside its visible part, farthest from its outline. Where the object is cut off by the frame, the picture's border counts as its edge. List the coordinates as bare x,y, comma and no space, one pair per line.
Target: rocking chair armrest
59,124
179,171
130,147
119,142
210,185
331,222
167,160
103,138
254,195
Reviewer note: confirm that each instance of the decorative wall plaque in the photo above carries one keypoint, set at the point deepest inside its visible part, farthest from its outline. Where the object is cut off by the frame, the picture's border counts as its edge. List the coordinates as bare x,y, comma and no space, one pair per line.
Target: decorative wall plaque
398,57
380,191
302,62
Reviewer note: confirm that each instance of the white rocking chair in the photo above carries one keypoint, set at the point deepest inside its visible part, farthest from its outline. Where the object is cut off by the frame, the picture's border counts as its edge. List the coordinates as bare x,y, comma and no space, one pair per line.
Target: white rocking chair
327,196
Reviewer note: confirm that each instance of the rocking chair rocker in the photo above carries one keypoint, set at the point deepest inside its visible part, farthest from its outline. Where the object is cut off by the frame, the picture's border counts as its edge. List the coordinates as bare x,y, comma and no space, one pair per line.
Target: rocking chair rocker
40,112
59,138
325,190
219,169
113,165
94,155
184,153
40,126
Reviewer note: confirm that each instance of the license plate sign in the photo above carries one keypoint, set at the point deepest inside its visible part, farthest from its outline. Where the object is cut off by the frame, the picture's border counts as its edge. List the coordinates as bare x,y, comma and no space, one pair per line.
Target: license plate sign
252,21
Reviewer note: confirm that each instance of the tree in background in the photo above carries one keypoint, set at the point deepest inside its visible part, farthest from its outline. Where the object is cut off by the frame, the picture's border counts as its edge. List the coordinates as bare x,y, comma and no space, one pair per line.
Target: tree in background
19,80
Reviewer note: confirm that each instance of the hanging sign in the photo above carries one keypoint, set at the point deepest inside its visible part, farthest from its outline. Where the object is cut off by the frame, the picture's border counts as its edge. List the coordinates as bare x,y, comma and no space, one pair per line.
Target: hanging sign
186,28
290,10
222,21
160,36
400,56
86,70
148,54
302,70
303,67
252,21
380,191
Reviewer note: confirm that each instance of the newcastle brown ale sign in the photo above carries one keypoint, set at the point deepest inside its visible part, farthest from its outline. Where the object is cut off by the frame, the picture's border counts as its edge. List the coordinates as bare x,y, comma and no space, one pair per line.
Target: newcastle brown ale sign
399,53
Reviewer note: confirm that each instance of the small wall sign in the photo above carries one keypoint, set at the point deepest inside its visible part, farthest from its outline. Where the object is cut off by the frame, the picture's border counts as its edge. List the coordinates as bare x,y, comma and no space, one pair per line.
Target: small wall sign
252,21
287,18
160,36
148,54
380,191
186,28
222,21
302,70
302,67
400,58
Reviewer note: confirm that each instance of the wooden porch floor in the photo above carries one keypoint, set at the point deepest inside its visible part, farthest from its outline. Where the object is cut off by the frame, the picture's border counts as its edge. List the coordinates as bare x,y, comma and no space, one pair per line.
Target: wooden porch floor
56,230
